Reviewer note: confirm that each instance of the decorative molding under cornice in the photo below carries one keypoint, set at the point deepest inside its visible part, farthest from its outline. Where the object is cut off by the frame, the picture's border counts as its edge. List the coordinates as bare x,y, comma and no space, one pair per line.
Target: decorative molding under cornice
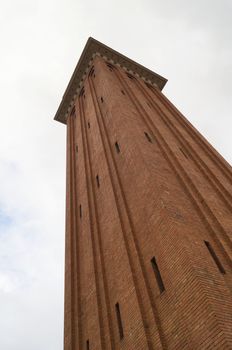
93,48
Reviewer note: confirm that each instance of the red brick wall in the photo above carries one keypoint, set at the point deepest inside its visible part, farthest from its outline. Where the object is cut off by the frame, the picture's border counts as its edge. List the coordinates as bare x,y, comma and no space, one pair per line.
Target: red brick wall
161,196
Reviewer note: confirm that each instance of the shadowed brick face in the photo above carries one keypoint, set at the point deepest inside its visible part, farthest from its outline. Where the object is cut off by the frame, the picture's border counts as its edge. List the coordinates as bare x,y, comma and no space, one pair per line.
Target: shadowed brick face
148,223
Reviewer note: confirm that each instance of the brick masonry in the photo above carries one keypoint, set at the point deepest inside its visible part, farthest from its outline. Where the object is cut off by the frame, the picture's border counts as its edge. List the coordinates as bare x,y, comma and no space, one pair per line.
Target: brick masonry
161,191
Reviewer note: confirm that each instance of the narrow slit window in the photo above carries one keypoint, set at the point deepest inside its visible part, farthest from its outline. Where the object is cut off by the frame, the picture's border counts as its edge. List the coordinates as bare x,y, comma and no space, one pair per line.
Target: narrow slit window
183,153
110,66
80,209
117,147
82,92
98,181
91,71
157,275
215,258
73,111
89,125
87,345
123,92
148,137
119,319
102,99
130,76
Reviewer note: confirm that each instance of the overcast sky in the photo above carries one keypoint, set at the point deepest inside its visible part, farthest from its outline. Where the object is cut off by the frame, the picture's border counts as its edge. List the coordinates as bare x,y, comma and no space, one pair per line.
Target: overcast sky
188,42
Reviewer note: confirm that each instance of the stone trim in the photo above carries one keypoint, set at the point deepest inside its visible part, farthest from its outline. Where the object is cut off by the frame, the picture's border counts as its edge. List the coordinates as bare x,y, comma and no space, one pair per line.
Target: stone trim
93,48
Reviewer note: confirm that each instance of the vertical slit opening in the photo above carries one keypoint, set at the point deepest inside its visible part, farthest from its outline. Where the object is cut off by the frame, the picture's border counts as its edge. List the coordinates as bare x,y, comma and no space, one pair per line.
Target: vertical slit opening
87,344
130,76
215,258
98,181
80,209
73,111
148,136
119,319
82,92
102,99
157,275
123,92
91,72
89,125
110,66
117,147
183,153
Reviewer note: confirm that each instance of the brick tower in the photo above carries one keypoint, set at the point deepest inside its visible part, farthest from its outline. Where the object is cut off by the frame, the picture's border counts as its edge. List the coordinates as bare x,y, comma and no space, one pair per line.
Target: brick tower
148,216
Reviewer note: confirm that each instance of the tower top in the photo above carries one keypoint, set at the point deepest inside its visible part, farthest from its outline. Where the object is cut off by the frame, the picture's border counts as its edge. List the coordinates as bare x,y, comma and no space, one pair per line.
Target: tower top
95,48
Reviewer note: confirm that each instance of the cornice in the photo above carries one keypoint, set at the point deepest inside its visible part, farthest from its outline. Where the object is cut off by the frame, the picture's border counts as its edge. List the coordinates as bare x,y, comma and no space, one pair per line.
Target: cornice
91,49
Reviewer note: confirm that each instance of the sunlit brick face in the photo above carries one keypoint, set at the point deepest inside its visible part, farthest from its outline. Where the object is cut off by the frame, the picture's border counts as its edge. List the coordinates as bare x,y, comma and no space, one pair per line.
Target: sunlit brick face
148,222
